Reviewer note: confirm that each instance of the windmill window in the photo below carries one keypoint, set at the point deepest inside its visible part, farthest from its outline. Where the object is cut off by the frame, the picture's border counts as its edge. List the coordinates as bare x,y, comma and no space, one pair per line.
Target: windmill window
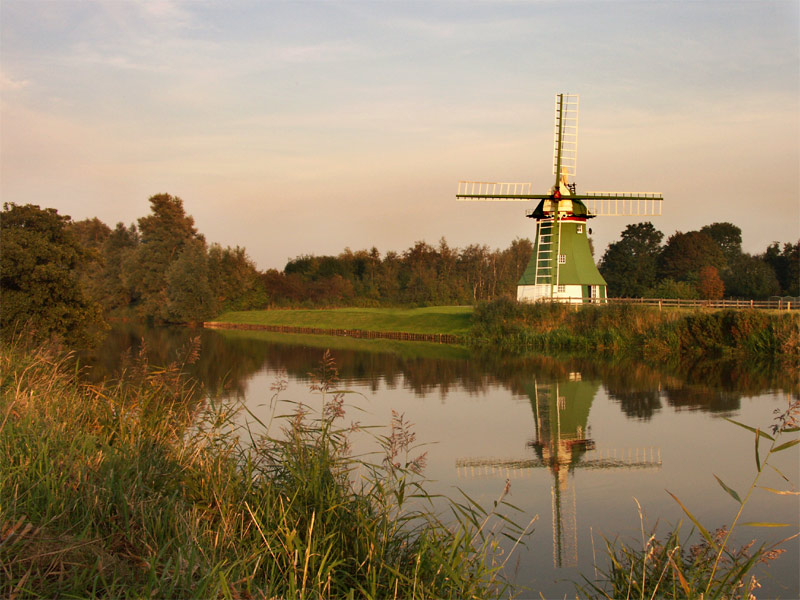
580,228
562,259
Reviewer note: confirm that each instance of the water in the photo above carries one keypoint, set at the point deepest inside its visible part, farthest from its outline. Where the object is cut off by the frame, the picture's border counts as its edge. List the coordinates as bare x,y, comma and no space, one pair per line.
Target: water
580,441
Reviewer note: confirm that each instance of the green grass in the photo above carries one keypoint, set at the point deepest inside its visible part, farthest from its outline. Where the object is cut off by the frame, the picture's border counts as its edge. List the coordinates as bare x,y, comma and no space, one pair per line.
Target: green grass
451,320
146,487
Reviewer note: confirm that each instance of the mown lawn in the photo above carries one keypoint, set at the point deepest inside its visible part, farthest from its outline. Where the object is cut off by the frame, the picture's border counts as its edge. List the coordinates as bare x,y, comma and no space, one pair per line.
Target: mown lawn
453,320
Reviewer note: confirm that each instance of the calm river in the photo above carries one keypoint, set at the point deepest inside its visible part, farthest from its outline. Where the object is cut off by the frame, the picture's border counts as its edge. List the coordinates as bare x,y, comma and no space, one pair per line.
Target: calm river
580,441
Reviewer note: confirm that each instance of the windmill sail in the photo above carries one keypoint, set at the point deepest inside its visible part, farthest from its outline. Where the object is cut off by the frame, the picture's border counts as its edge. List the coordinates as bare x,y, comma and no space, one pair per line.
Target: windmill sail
639,204
565,142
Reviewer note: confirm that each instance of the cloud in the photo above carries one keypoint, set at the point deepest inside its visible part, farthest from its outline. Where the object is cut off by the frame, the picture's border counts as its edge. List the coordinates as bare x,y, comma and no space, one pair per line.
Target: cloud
7,83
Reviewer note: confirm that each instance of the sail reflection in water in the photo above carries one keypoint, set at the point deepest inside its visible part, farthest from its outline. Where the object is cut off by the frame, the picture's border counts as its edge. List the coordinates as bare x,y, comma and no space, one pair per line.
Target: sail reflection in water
562,444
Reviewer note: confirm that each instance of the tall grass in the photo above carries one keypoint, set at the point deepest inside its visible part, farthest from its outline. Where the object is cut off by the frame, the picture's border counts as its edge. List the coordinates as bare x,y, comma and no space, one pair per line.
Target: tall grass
146,486
641,330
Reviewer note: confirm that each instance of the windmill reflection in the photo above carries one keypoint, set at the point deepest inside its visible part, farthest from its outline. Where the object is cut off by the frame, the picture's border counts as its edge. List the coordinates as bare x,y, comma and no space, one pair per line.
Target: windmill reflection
562,444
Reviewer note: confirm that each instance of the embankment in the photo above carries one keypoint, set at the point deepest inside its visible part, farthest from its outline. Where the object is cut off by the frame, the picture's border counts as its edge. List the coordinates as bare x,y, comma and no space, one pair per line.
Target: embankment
439,324
641,331
507,326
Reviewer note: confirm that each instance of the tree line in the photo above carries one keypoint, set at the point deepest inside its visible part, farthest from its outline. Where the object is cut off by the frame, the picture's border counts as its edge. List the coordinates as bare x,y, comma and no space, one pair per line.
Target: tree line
60,275
708,263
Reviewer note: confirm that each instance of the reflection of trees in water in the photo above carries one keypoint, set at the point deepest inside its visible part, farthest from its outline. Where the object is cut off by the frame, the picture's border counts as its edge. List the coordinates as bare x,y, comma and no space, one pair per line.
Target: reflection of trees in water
637,404
219,367
695,397
227,361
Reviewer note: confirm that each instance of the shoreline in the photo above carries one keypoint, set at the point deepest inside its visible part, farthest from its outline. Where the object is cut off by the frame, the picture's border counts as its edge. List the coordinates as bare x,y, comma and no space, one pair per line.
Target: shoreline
436,338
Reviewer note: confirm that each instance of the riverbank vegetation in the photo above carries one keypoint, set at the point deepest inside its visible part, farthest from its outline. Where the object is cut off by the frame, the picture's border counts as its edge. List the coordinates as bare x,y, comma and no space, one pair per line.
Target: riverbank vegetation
513,327
643,331
64,274
145,486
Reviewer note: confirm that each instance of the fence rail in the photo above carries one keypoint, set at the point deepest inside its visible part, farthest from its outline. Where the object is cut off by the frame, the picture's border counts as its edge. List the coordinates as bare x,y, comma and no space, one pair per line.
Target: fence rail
779,304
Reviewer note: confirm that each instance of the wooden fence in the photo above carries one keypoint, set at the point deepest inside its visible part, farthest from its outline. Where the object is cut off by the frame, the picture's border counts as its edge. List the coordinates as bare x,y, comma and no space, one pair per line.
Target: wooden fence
436,338
779,304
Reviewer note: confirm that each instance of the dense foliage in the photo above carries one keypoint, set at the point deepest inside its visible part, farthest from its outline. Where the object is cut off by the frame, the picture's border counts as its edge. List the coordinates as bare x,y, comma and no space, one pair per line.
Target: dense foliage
39,264
708,264
56,272
422,275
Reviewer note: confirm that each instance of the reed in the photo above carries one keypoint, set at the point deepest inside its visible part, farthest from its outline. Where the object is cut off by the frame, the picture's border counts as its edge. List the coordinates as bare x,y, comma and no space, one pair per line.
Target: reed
147,486
711,568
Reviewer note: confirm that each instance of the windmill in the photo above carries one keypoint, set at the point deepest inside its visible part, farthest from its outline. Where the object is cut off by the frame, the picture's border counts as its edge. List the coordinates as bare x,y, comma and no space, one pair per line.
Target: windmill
562,268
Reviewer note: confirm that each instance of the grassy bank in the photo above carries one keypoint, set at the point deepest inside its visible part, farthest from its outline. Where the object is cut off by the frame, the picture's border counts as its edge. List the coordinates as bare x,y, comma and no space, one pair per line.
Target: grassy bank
451,320
513,327
144,487
639,330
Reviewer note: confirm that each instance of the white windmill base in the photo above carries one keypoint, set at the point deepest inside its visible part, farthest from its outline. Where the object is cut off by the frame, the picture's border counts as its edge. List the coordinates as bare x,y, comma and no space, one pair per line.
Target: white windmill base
544,292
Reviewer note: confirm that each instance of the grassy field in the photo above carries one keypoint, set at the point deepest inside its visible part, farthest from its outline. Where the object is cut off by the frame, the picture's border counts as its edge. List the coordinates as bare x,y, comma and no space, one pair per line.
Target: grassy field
452,320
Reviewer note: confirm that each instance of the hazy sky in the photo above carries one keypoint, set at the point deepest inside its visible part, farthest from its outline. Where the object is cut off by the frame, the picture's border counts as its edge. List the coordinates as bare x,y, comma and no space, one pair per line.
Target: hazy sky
305,127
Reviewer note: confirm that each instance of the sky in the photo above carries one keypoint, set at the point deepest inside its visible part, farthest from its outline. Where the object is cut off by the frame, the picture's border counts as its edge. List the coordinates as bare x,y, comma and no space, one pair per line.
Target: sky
294,128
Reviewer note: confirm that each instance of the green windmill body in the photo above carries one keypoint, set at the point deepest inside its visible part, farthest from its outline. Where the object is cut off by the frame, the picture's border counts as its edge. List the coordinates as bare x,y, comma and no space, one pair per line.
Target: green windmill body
561,267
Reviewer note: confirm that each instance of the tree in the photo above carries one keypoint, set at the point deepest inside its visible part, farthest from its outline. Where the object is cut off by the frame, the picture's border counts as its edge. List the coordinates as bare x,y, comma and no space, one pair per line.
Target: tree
685,254
39,286
751,277
117,289
474,267
709,284
164,234
786,264
189,297
513,261
419,273
727,236
669,288
629,266
233,277
92,235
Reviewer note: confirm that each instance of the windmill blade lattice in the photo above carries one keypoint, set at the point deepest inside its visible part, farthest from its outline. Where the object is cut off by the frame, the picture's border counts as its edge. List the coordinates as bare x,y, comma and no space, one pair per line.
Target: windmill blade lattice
565,142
